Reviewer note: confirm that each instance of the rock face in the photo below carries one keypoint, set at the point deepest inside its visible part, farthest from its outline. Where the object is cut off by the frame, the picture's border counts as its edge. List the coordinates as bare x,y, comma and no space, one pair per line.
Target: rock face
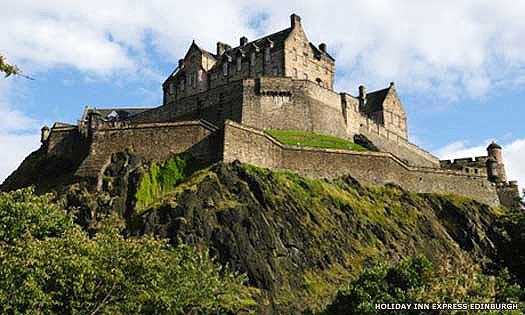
297,239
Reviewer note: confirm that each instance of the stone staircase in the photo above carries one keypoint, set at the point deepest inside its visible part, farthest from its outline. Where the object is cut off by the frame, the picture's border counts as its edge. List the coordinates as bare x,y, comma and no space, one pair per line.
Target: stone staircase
91,166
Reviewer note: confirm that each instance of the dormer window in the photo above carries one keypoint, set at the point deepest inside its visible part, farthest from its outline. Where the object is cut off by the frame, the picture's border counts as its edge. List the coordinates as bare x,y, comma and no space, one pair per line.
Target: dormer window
239,64
267,54
225,68
252,59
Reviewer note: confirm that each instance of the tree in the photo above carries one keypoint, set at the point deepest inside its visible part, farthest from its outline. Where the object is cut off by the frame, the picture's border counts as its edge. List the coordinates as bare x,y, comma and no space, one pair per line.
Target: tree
11,69
416,280
52,268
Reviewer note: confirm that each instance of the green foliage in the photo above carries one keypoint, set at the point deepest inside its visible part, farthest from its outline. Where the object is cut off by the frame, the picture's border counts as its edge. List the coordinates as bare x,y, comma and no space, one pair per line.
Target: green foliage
22,211
10,69
162,179
73,273
313,140
416,280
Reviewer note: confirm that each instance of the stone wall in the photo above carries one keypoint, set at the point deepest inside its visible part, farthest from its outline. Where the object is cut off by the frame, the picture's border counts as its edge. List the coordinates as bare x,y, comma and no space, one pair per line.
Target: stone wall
64,142
389,141
214,105
153,141
373,168
289,104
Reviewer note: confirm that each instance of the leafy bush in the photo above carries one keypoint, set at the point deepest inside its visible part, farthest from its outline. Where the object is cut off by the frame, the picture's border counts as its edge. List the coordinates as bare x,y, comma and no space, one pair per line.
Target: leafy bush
21,211
415,280
69,272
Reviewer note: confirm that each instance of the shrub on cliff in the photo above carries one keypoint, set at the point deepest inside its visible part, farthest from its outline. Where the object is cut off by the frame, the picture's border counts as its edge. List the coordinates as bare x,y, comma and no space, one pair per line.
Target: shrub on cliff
71,272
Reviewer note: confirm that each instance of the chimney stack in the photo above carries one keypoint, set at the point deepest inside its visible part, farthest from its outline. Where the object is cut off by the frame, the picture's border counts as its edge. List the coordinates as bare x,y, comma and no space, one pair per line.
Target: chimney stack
220,48
362,92
295,20
243,40
322,47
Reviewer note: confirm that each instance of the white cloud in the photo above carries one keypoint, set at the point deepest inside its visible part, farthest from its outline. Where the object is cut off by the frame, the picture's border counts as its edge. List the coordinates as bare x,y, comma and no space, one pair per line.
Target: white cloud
513,156
18,134
446,48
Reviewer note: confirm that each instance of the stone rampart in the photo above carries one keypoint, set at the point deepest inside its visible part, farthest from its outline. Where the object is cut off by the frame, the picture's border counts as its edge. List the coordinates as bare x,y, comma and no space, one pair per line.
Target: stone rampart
152,141
391,142
373,168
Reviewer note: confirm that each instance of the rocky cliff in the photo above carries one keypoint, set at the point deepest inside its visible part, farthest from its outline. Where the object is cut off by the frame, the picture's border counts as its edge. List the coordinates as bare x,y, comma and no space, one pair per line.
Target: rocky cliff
297,239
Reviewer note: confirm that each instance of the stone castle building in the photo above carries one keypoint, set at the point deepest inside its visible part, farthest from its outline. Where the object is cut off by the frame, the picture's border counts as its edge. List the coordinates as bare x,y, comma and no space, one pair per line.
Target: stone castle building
216,106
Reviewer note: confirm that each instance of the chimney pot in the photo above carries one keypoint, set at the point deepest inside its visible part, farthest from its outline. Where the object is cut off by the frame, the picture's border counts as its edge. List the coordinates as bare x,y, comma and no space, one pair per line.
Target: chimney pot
220,48
362,92
391,84
181,63
295,20
322,47
243,40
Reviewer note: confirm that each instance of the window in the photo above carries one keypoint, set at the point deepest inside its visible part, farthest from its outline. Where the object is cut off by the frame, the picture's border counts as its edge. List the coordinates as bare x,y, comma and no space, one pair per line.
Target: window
239,64
192,59
171,88
199,76
295,75
193,81
275,71
306,76
267,54
225,68
182,84
295,54
252,59
305,59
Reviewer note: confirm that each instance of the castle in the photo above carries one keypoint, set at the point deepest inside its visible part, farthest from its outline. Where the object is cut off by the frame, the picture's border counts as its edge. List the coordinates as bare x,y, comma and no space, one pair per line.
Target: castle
217,106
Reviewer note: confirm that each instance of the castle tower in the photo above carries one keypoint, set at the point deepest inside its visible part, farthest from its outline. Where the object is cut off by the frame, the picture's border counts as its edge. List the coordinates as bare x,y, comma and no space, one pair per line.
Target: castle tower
495,166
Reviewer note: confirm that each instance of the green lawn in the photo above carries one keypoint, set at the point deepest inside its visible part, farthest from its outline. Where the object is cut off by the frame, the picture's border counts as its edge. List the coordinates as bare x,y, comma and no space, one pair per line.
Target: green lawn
309,139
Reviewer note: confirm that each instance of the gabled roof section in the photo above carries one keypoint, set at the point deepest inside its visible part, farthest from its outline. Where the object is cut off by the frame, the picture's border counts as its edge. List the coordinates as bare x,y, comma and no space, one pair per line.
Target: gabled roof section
374,100
203,51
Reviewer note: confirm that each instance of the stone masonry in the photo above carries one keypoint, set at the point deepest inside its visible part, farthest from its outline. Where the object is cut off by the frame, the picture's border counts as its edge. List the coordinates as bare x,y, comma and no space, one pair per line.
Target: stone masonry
217,105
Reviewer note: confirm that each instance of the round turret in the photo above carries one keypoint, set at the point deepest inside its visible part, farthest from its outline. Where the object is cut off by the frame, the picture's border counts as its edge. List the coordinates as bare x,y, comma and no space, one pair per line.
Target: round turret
494,150
492,169
44,135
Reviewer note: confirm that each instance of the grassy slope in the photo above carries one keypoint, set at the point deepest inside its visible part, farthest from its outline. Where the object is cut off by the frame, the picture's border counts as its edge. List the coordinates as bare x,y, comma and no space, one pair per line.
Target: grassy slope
313,140
301,239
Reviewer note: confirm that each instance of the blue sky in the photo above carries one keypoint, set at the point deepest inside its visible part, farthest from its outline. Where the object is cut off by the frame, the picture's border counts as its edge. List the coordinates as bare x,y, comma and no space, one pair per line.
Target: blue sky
459,66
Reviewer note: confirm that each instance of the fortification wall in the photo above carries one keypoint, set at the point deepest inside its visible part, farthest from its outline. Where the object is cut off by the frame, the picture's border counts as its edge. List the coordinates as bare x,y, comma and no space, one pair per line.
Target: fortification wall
289,104
373,168
214,105
389,141
152,141
468,165
65,142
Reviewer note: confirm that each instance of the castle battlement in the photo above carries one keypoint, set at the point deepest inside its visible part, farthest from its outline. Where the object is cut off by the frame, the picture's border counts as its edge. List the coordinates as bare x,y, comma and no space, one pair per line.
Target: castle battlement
217,106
